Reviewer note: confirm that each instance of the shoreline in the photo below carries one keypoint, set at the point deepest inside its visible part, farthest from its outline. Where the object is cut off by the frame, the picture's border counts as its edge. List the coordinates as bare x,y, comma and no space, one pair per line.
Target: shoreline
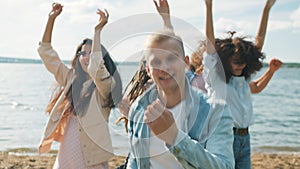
260,160
23,151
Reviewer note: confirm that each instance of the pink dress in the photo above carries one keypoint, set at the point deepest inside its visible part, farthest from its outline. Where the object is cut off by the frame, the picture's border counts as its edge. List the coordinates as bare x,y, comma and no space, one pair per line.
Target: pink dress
199,82
70,155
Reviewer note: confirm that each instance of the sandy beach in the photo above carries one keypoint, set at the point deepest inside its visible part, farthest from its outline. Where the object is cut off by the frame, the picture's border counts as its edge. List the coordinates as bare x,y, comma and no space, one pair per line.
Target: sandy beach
259,161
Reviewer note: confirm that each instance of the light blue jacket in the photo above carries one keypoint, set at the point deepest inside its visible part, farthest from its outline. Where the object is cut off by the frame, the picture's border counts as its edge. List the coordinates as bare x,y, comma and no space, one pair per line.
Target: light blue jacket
206,142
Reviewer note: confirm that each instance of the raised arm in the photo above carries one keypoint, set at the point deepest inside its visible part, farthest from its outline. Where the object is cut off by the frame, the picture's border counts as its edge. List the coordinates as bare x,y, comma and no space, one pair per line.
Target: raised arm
210,41
56,10
98,28
259,84
162,7
261,33
214,79
49,56
96,69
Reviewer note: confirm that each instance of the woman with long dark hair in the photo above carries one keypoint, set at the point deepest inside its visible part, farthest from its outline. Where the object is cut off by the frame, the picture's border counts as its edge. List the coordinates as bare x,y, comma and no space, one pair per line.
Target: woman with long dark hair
78,114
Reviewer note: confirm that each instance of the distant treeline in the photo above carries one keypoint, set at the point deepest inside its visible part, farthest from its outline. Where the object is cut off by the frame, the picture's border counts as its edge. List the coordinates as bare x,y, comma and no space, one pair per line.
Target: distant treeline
38,61
288,65
18,60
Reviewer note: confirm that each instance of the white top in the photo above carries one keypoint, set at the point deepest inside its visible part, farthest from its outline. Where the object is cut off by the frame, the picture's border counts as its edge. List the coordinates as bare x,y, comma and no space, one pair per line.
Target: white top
160,157
240,101
236,93
214,78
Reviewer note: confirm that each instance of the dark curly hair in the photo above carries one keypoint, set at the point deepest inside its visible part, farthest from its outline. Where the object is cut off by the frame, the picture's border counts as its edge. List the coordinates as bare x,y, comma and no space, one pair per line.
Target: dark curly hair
242,50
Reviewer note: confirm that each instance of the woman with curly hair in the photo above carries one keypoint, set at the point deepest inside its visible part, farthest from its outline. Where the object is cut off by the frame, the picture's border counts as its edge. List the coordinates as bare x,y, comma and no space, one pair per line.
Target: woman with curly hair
240,60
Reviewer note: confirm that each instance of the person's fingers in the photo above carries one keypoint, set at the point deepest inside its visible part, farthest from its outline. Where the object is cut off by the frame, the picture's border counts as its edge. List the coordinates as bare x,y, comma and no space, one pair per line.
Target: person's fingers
107,14
152,113
158,106
166,3
100,12
157,111
148,117
103,15
278,63
156,4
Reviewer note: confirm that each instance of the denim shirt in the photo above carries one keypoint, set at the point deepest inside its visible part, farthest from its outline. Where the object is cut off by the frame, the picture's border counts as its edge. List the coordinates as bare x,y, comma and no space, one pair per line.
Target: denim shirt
205,142
190,75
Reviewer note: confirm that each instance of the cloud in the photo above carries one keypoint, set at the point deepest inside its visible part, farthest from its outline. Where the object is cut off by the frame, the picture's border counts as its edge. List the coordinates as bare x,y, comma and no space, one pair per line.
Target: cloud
23,22
243,28
83,11
295,17
20,27
286,21
279,25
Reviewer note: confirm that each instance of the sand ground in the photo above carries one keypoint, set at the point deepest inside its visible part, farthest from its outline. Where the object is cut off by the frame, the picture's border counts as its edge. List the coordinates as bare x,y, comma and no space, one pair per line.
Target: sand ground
259,161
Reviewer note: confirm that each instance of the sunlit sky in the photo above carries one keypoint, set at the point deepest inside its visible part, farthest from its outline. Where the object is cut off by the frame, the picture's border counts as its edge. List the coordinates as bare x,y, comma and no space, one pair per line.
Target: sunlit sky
23,23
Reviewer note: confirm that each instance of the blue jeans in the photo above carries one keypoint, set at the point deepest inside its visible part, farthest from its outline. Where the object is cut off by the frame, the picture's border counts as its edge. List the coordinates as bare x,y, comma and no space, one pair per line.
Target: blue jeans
242,151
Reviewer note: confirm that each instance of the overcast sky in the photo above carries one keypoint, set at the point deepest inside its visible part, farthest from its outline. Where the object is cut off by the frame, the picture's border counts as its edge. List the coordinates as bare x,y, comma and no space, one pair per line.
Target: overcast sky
23,23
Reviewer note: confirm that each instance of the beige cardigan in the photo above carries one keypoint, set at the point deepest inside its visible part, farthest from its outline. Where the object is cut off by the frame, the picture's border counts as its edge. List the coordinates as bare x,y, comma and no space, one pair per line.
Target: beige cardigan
93,126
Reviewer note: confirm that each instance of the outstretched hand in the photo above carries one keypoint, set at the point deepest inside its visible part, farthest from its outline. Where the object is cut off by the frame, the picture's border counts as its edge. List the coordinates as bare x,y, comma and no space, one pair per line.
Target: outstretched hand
270,3
56,10
275,64
102,20
162,7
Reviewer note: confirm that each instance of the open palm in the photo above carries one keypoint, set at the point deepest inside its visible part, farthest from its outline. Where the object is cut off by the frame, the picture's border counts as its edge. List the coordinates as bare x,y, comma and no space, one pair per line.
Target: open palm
102,20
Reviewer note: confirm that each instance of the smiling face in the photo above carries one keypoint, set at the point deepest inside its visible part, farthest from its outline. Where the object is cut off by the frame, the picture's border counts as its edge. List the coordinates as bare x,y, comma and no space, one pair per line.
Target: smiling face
237,66
166,65
85,56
